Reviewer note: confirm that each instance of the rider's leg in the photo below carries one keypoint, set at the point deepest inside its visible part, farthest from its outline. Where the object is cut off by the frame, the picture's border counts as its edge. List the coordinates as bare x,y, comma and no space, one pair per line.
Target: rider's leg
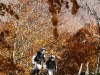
38,72
50,72
33,72
39,68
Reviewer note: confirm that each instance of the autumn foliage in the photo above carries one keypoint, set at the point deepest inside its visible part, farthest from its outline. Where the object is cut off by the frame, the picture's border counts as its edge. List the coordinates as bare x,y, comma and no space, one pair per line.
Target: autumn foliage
80,48
32,24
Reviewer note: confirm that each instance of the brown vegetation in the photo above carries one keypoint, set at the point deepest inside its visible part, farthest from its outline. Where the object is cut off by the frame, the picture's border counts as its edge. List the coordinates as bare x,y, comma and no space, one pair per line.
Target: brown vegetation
35,26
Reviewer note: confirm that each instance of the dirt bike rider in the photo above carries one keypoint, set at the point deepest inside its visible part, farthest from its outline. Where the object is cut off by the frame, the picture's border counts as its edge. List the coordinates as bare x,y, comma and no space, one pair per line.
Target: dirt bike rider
51,65
37,58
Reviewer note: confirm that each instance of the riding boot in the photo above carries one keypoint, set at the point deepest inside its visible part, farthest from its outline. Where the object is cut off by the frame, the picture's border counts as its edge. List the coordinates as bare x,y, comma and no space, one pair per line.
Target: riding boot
38,72
32,72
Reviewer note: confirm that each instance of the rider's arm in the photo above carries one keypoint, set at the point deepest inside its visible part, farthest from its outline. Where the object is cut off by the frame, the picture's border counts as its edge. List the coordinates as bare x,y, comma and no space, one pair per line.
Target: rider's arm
44,59
55,65
33,58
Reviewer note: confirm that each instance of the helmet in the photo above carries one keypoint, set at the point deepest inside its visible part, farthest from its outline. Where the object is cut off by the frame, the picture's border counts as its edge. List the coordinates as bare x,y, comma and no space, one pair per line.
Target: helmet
52,56
42,49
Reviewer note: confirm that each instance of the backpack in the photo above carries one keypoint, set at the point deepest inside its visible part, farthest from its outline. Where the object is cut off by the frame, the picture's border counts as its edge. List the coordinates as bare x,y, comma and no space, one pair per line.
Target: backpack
39,57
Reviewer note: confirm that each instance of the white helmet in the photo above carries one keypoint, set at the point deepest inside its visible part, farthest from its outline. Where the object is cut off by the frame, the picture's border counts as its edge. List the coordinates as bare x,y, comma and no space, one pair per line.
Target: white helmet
42,49
52,56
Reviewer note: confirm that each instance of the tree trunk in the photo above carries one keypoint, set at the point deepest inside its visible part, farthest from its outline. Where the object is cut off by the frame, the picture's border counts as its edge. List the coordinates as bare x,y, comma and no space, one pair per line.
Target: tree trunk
87,69
98,62
80,69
